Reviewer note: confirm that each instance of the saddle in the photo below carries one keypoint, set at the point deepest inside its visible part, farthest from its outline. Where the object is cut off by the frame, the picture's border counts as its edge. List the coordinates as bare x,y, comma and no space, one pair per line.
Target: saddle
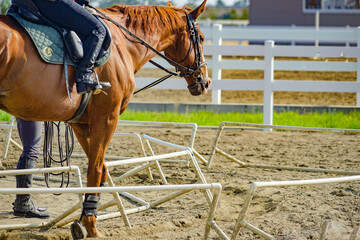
53,42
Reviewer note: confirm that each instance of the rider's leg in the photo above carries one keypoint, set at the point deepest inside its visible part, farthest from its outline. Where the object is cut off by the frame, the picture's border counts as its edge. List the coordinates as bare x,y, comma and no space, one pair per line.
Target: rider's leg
85,79
30,136
68,14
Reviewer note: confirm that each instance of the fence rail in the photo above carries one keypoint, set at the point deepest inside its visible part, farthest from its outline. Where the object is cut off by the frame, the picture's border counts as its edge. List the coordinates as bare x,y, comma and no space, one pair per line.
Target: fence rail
346,44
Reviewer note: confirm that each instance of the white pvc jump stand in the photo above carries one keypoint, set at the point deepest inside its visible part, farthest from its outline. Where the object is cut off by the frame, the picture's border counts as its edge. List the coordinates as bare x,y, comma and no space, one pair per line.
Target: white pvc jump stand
241,222
146,162
216,149
144,205
53,222
193,126
59,220
10,126
9,140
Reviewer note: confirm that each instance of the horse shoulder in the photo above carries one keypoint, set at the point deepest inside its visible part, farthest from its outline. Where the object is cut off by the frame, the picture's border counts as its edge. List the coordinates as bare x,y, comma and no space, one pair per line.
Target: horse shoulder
13,43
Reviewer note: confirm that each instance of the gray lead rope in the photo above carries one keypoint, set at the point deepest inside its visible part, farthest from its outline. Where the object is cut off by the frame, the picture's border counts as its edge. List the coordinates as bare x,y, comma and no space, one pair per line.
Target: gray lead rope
49,158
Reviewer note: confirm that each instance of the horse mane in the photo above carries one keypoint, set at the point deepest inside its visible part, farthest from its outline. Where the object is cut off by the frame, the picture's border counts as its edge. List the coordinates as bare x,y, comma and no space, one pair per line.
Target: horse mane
150,18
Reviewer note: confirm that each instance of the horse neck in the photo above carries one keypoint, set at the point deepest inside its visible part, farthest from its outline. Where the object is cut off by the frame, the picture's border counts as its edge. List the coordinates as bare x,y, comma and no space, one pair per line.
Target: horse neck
157,26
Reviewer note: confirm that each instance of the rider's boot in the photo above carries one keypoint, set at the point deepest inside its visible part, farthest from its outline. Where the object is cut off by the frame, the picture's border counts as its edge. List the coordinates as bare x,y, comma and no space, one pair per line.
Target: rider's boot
86,79
23,205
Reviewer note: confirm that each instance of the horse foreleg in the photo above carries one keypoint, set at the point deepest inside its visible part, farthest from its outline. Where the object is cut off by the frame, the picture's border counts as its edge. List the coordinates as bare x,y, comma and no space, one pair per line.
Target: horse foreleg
104,176
96,177
94,139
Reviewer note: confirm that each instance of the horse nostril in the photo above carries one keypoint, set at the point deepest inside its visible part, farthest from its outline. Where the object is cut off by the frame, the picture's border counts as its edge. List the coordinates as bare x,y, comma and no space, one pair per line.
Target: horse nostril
207,84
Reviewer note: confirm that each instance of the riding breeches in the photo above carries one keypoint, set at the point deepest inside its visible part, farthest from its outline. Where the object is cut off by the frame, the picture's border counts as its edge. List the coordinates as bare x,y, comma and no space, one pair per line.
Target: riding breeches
30,136
70,15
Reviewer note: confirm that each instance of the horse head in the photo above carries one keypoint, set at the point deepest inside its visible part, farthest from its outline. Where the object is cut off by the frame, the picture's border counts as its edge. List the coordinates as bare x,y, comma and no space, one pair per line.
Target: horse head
187,51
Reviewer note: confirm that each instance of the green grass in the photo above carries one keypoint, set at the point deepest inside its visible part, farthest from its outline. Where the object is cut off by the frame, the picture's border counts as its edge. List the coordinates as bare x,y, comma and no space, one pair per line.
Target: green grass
202,118
4,116
324,120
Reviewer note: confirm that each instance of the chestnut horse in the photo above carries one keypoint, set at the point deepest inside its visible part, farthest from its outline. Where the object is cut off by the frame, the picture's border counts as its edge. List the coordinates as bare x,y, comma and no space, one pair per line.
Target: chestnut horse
34,90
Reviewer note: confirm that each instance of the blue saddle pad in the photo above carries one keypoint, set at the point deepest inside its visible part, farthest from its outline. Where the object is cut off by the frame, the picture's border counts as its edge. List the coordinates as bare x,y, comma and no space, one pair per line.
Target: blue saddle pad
49,42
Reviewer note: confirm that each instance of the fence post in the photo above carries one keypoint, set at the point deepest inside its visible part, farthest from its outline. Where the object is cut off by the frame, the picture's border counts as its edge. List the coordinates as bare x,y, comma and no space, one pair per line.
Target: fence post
358,66
317,25
293,42
216,59
268,81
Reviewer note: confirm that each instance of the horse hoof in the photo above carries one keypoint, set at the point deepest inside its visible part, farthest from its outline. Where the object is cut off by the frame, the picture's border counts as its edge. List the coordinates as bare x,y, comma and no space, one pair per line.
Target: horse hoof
78,231
89,223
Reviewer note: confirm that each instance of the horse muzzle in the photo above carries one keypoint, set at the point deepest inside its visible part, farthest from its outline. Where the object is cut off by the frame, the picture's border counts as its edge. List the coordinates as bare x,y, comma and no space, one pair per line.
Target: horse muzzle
200,87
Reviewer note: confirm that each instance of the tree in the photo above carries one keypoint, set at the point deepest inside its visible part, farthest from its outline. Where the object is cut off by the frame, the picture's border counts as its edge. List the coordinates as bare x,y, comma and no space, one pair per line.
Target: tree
220,3
233,14
245,14
4,6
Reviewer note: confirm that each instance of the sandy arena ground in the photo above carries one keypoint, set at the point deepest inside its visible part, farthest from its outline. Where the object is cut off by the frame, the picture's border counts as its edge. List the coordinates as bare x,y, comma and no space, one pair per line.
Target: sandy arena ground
285,212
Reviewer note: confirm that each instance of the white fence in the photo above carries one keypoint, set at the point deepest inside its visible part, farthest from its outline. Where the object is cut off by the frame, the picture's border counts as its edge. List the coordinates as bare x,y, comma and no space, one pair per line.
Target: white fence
345,43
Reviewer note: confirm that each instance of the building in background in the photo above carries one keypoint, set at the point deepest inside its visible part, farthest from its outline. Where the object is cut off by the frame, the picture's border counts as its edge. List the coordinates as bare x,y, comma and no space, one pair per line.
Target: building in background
302,12
225,12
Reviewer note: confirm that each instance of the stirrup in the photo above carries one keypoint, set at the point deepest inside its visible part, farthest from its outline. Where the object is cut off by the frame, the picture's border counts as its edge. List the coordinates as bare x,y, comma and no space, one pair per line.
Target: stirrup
100,86
94,86
78,231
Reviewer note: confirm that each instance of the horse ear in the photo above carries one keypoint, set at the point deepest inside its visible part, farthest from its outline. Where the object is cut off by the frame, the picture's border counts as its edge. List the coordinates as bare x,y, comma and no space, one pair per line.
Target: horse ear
199,10
168,4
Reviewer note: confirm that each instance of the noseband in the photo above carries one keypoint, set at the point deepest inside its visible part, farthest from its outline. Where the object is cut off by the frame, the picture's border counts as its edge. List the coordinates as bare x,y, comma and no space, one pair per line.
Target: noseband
194,41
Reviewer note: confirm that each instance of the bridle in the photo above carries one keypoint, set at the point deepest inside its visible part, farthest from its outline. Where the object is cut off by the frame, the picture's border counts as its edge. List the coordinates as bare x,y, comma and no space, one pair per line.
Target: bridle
194,44
194,41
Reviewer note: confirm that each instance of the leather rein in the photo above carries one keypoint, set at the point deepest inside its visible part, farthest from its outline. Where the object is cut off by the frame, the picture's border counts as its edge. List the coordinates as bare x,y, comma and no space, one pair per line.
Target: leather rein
194,43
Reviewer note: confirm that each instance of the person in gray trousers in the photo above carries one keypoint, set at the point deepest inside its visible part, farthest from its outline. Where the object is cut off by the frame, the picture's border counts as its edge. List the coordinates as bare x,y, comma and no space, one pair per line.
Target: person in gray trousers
30,136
